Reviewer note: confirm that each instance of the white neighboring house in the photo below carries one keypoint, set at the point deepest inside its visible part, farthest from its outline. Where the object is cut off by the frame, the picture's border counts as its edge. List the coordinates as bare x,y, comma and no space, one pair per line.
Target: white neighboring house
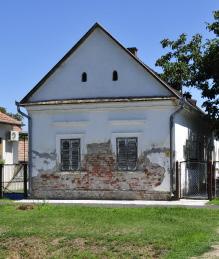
103,125
9,137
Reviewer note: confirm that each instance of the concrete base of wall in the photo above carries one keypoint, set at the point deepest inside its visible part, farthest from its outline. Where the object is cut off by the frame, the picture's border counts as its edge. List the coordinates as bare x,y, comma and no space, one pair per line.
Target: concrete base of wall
100,195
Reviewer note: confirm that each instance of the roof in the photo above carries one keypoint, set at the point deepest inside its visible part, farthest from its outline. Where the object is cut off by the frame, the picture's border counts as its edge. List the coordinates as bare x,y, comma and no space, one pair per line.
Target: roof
6,119
25,100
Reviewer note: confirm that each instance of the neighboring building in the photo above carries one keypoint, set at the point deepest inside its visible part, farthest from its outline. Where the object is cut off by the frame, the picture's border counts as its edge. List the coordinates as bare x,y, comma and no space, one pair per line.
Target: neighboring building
23,147
9,136
104,125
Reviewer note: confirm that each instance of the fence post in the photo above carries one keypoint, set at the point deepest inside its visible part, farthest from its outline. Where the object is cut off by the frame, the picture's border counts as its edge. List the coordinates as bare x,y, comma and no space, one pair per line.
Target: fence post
1,181
209,180
25,180
177,181
213,180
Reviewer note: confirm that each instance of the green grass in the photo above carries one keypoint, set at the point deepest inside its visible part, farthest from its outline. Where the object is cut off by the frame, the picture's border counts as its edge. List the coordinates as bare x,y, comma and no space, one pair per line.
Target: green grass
214,201
5,200
48,231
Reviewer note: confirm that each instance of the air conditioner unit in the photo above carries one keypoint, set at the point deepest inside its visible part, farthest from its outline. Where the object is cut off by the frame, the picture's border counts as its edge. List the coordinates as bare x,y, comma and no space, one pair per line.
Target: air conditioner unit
13,135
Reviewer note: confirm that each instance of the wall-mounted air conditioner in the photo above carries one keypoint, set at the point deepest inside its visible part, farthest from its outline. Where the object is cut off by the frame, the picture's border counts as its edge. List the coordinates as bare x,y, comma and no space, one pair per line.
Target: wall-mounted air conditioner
13,135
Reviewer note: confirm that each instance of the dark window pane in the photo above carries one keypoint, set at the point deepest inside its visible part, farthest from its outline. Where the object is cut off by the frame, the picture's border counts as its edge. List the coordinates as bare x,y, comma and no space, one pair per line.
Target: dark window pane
126,153
132,153
70,154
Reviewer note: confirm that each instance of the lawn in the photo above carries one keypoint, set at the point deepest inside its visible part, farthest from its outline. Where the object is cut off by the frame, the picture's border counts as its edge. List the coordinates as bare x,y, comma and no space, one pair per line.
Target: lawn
49,231
214,201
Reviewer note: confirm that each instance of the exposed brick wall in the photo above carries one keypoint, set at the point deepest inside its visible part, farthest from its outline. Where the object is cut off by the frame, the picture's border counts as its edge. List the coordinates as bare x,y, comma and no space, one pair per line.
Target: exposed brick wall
100,179
23,149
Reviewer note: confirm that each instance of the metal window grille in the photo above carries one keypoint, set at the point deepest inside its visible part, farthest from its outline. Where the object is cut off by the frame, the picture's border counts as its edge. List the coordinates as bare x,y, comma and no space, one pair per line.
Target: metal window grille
127,153
70,154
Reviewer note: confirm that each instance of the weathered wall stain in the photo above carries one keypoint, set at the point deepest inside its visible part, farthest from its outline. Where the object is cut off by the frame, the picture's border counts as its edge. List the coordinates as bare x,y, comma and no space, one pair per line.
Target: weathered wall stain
99,177
50,156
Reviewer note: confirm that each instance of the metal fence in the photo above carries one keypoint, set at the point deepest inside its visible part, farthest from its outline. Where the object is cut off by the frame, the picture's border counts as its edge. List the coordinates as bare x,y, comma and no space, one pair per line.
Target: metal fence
216,173
13,180
193,179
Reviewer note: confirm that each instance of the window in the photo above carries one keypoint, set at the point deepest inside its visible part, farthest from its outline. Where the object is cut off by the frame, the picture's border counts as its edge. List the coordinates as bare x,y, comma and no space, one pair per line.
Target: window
126,153
194,150
84,77
70,154
115,75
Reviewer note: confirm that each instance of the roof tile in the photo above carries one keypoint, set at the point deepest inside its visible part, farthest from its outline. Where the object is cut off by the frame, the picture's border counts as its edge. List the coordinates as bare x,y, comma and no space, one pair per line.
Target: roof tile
4,118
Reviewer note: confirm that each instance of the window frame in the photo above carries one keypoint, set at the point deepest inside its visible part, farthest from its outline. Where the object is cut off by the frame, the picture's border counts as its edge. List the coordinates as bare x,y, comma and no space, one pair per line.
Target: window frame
71,168
117,154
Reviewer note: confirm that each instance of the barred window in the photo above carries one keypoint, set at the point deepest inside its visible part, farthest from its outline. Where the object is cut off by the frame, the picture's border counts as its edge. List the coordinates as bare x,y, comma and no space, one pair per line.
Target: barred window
127,153
70,154
194,148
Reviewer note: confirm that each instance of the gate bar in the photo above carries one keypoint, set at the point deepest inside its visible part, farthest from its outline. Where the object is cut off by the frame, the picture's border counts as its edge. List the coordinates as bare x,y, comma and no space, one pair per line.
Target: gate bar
209,180
177,181
25,180
1,181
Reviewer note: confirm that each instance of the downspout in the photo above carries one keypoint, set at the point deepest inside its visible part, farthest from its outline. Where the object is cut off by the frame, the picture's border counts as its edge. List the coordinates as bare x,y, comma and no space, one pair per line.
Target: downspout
29,142
172,116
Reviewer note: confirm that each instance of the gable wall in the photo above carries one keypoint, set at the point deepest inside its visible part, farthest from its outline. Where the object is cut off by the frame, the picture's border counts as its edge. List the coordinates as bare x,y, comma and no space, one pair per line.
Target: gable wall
99,56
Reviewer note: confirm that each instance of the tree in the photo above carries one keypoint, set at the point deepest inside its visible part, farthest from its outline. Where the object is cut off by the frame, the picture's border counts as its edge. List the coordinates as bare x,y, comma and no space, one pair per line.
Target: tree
195,63
16,116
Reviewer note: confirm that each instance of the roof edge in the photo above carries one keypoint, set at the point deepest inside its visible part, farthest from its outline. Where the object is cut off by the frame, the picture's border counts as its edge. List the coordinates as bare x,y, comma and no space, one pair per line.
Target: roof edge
99,100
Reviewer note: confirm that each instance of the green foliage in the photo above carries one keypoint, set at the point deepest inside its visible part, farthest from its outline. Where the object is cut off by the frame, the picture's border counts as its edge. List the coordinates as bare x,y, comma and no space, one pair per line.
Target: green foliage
16,116
195,63
2,161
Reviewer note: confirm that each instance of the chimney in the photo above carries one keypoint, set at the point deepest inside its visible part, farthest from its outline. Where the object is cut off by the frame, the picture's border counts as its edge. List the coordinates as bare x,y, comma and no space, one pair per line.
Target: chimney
192,101
133,50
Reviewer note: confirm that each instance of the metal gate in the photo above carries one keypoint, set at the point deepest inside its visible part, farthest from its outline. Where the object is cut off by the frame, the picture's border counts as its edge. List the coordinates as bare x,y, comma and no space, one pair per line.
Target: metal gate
216,173
13,181
193,179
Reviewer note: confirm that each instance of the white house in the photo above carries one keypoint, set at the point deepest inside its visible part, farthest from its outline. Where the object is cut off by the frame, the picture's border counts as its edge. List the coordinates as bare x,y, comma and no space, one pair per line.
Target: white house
9,137
103,125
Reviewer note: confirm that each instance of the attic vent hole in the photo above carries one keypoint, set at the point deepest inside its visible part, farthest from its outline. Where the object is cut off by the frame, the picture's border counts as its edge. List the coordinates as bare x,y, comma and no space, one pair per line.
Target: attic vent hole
84,77
115,75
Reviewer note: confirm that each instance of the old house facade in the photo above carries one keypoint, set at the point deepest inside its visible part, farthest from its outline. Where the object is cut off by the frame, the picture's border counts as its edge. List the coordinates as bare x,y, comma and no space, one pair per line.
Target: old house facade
103,125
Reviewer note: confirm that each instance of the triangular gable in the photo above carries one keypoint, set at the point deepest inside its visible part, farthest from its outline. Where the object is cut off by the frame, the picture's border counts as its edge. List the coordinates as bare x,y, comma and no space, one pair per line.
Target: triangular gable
77,45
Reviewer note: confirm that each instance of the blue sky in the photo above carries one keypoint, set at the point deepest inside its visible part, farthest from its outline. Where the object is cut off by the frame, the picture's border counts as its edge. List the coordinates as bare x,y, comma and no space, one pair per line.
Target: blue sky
35,34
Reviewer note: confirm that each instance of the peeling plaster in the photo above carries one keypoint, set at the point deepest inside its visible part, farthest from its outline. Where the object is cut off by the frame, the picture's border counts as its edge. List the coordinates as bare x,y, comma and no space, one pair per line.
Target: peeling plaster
99,174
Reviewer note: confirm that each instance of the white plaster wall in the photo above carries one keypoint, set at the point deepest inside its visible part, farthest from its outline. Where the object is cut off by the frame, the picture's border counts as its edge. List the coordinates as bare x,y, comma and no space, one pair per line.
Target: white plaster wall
98,123
99,56
184,122
10,149
216,150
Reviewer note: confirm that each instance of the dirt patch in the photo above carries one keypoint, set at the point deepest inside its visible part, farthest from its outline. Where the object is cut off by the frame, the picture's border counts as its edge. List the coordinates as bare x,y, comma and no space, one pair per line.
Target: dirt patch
26,207
24,248
37,248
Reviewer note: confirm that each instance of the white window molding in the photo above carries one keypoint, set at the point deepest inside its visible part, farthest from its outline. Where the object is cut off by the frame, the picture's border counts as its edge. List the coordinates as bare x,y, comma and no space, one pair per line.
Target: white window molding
70,124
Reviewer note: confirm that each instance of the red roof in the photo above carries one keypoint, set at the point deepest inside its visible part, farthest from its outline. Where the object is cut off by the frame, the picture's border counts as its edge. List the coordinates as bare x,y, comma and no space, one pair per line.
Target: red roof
8,119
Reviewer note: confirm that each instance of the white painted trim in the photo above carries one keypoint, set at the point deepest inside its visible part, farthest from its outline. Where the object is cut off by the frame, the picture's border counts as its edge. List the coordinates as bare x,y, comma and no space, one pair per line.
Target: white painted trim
70,123
69,136
158,105
127,122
